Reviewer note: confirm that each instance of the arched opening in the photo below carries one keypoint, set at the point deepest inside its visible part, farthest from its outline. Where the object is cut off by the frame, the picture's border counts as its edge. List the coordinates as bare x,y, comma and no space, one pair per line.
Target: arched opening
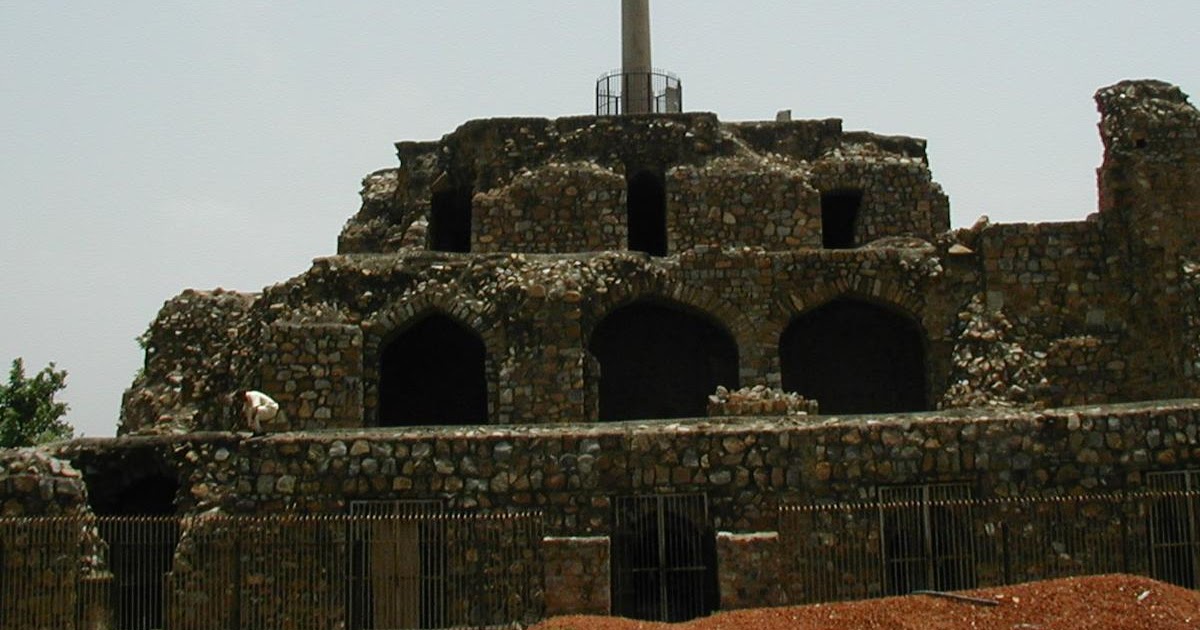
855,357
450,220
839,218
646,199
660,361
664,559
141,551
433,373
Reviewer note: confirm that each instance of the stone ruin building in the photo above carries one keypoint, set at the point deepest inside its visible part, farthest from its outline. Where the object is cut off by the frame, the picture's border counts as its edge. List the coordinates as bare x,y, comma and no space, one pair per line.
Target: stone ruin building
664,325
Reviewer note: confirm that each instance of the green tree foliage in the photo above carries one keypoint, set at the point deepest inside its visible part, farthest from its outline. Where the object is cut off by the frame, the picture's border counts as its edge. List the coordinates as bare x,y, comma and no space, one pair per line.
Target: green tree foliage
28,413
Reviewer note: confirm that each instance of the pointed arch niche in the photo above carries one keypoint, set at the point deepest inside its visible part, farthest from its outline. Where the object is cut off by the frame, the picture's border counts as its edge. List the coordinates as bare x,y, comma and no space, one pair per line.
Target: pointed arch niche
661,360
433,372
855,356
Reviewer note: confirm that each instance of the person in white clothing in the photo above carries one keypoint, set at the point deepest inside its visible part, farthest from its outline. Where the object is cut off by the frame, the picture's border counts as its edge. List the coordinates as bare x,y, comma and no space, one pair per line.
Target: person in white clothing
258,408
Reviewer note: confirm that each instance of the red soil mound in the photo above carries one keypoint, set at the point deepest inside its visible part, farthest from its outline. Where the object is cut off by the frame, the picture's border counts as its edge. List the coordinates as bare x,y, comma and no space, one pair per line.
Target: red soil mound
1106,601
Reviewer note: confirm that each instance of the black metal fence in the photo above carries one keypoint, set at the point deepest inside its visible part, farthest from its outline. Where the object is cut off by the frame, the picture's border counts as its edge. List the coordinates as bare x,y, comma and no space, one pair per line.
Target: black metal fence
297,572
938,538
654,92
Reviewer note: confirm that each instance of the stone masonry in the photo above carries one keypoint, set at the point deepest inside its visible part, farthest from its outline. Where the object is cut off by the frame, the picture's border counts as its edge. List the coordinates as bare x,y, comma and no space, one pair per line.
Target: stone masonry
1037,358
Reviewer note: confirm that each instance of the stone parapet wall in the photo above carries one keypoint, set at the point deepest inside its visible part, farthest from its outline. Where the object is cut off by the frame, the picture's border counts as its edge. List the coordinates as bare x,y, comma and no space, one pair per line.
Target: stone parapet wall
899,197
746,468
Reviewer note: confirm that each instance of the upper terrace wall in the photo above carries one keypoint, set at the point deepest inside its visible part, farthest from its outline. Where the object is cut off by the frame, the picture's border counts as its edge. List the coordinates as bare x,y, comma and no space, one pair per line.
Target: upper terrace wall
745,467
1104,308
562,186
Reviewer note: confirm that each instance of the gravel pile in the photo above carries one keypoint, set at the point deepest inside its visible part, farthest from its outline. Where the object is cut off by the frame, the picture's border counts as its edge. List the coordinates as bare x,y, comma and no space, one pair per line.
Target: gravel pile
1112,602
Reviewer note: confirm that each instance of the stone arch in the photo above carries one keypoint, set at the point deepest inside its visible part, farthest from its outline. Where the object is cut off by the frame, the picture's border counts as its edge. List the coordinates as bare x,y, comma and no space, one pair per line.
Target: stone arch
432,371
659,359
754,357
697,298
388,324
854,354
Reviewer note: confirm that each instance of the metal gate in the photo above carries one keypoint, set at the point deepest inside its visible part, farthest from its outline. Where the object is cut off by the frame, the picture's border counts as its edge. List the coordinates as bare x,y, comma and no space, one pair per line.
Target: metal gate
141,551
664,558
1174,539
398,565
927,537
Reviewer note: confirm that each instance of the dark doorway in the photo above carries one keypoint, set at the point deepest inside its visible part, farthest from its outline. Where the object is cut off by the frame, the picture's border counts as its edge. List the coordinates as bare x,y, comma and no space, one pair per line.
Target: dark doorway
450,220
839,218
433,373
855,357
664,560
141,550
647,213
658,361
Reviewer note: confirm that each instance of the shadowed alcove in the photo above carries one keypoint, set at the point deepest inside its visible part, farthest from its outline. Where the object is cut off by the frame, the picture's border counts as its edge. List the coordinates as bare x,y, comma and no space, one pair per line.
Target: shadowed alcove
135,483
855,357
659,360
433,372
839,218
646,199
450,220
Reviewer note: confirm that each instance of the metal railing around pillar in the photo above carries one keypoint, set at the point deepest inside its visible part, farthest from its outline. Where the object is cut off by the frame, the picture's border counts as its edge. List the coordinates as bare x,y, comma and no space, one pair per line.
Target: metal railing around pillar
654,92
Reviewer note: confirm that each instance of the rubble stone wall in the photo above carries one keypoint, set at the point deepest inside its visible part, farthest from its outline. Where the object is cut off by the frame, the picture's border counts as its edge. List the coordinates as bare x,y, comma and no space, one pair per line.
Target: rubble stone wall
749,575
730,203
577,575
729,184
576,207
1052,278
899,197
1149,198
746,467
314,372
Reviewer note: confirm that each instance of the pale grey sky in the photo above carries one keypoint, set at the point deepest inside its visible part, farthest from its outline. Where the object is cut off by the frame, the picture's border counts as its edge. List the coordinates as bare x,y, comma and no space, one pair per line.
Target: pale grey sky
149,146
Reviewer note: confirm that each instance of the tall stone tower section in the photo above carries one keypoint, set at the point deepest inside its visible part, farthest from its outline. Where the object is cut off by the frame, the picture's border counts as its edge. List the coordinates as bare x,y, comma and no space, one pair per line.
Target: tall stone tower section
1149,188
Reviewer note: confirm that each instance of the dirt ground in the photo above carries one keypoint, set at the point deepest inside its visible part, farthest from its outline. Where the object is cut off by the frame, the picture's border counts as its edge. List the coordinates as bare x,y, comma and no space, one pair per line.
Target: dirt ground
1107,601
